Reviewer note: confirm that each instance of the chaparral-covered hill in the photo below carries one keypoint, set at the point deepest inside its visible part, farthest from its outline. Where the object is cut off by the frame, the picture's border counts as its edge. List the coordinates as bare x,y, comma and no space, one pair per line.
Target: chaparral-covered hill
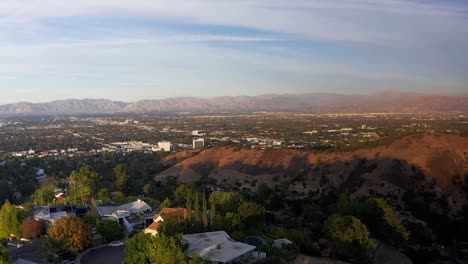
435,163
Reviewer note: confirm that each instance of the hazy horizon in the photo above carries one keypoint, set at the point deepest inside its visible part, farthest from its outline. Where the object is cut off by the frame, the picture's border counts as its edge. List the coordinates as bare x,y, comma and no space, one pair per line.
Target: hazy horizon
454,94
133,50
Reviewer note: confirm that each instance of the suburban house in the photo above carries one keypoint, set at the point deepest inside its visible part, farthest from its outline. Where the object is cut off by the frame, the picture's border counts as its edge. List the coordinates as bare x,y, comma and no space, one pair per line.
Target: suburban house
165,214
50,214
219,247
130,215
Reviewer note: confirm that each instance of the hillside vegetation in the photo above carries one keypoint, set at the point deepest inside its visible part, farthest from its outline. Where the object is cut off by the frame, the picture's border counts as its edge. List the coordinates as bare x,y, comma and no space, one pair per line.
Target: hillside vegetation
435,163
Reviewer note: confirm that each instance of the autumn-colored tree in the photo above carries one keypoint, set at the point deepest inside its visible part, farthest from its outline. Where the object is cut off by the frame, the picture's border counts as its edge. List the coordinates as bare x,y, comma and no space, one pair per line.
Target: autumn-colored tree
32,228
72,233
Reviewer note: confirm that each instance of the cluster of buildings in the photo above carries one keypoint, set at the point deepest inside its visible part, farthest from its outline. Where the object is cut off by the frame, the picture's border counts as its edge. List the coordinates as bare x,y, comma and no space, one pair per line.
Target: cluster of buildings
123,147
216,247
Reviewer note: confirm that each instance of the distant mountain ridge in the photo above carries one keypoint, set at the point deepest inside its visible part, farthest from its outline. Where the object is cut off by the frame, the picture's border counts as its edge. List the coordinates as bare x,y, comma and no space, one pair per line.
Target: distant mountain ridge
309,103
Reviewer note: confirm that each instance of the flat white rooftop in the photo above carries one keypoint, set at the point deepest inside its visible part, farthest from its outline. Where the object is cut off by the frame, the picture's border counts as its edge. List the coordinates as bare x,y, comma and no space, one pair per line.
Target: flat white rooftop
131,208
216,246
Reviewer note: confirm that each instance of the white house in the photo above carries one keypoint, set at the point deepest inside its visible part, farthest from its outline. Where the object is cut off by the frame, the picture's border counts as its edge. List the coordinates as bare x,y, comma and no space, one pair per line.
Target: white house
129,215
218,247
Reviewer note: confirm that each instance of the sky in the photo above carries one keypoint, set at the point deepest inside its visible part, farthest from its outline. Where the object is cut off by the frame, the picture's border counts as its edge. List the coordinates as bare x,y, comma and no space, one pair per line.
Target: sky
139,49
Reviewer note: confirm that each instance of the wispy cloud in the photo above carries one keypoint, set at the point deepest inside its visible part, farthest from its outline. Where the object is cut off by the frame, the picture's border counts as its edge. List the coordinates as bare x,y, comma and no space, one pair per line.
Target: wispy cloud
262,46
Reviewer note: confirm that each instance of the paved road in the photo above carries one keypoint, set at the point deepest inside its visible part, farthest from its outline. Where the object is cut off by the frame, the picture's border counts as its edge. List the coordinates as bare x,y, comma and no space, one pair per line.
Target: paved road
105,255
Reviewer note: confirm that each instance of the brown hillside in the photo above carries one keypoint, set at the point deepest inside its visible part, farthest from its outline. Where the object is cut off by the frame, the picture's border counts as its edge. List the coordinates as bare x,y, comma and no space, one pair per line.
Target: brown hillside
438,157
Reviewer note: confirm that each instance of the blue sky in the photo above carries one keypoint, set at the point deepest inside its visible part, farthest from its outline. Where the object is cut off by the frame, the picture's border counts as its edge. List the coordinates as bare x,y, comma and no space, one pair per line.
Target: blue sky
139,49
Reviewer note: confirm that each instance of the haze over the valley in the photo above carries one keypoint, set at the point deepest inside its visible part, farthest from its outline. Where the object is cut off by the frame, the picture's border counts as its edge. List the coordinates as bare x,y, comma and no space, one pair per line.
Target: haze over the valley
310,103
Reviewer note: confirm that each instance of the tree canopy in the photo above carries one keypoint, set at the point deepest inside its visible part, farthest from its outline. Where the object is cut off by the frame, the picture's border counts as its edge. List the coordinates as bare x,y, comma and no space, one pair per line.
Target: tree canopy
10,220
110,230
251,213
145,248
32,228
349,235
121,177
4,256
72,233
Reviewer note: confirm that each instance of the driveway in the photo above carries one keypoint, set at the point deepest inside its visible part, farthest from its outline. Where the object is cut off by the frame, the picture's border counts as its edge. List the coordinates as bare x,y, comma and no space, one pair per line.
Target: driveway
106,255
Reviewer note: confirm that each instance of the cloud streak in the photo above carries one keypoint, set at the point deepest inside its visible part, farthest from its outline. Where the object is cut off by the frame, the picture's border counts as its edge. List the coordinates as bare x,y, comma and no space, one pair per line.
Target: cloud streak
198,46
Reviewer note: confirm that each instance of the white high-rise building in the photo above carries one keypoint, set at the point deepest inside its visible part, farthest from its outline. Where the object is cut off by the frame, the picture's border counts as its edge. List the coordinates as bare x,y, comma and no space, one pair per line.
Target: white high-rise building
164,145
198,143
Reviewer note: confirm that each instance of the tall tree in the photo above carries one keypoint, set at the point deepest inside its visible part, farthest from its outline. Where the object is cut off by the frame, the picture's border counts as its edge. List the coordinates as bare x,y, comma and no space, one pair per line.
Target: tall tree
212,214
205,212
10,221
72,233
197,212
121,177
90,179
189,213
74,181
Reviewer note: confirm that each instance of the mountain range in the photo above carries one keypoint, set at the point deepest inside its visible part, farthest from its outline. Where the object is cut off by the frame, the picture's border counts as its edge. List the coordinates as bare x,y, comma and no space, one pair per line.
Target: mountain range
388,102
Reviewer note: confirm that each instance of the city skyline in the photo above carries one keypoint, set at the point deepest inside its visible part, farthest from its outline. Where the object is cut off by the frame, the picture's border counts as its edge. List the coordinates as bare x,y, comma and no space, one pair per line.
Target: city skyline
132,50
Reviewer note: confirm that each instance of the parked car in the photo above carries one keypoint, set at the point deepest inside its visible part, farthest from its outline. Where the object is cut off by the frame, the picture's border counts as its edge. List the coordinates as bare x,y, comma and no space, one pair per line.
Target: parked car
116,244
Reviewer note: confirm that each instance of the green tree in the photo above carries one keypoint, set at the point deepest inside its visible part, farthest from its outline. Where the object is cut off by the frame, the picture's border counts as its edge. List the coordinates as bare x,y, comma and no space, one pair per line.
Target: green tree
145,248
377,214
212,214
197,212
91,218
182,192
226,201
172,226
90,179
43,196
196,259
204,213
121,177
4,256
147,189
10,221
189,213
233,222
349,236
104,194
251,213
110,230
167,203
